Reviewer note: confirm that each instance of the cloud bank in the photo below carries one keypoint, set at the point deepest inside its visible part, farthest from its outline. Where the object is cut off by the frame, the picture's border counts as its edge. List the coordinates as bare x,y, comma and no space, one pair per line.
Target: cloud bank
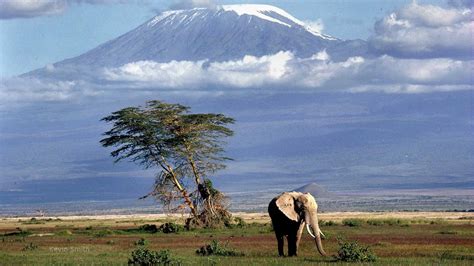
285,71
425,31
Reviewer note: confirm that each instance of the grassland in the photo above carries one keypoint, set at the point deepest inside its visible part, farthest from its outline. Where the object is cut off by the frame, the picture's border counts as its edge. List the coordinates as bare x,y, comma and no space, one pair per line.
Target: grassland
396,238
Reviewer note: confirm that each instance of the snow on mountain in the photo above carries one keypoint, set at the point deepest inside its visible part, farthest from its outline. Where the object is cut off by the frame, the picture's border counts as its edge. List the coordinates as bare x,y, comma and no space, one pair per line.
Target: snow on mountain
222,33
273,14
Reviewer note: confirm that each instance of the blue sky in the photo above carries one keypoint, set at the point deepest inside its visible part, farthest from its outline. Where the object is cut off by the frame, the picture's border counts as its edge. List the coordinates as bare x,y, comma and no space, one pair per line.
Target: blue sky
32,42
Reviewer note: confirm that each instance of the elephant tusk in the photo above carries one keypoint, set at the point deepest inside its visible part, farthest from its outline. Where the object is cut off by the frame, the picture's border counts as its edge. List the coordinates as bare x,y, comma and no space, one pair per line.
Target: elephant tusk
309,231
321,232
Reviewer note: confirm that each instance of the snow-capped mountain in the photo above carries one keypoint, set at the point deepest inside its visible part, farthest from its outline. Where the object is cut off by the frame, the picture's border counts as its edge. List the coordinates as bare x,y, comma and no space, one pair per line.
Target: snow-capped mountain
217,34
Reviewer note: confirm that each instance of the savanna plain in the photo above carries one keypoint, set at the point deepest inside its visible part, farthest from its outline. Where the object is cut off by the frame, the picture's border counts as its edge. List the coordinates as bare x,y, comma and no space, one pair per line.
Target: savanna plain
395,238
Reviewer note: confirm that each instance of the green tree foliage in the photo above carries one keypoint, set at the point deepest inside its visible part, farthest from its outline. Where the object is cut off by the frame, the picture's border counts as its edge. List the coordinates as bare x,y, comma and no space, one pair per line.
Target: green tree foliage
180,144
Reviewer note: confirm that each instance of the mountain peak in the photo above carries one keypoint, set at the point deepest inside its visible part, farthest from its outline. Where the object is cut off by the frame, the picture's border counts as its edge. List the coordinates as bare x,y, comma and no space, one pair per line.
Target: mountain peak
220,33
315,190
264,12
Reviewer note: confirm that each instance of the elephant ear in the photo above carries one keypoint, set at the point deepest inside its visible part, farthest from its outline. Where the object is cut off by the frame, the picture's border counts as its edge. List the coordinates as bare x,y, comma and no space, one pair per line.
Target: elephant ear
286,204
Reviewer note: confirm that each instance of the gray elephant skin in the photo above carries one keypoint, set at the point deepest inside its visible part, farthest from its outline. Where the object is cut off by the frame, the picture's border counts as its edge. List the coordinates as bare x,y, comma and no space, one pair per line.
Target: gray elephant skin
291,212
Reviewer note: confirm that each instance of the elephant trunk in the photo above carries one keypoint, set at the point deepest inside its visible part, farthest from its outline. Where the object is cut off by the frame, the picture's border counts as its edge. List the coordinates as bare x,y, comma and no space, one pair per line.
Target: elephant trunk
317,233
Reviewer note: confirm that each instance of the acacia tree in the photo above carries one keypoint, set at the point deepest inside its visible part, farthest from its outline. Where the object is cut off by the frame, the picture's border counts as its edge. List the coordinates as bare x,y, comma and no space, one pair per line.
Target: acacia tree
185,148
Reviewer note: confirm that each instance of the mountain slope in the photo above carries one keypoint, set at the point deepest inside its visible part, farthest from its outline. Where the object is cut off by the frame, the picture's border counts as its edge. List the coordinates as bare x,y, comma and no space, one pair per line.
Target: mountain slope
315,190
220,34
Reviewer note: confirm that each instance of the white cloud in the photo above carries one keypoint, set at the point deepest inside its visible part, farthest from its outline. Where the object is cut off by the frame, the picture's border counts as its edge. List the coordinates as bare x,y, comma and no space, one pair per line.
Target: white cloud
248,72
285,71
34,90
10,9
30,8
173,74
421,31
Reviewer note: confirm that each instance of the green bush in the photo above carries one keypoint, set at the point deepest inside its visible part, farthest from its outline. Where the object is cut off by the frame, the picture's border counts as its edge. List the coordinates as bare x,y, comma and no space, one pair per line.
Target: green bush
144,257
352,222
330,223
148,228
353,252
239,222
168,228
217,249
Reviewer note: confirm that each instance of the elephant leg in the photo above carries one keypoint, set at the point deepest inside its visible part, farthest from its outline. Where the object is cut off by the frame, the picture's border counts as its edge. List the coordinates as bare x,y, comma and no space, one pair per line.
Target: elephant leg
292,245
280,245
298,236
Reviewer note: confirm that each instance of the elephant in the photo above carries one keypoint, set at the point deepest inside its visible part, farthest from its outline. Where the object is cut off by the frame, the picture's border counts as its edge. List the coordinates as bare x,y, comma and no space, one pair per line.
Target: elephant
290,212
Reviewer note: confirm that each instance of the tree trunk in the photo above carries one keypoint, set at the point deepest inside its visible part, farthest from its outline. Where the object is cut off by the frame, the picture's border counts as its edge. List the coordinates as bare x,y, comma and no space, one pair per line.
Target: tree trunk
181,189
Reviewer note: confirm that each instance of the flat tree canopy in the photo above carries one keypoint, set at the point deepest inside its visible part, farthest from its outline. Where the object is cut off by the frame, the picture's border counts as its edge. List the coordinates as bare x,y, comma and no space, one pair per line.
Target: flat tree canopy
179,144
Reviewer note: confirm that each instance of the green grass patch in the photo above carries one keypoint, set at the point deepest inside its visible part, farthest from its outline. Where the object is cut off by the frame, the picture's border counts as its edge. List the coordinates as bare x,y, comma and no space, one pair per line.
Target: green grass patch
30,246
449,255
352,222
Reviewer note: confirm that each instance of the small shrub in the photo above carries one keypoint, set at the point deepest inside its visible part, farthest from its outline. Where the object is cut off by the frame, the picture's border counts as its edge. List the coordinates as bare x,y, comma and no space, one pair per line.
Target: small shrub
375,222
168,228
217,249
110,242
141,242
33,221
394,222
148,228
30,247
447,232
19,232
142,256
330,223
239,222
352,222
353,252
